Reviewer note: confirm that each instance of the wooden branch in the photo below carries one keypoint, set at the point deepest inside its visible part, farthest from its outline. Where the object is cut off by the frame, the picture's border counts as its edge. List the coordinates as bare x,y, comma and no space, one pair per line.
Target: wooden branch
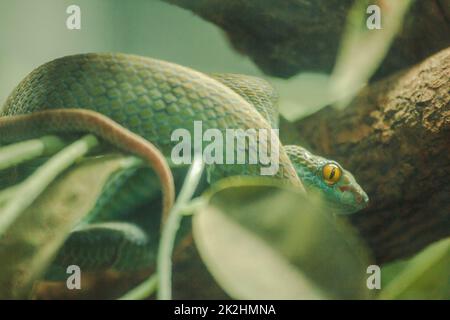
395,138
285,37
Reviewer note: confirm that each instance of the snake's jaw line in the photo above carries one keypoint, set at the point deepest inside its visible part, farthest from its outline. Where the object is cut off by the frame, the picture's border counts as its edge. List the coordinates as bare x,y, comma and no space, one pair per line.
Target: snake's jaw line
344,196
347,196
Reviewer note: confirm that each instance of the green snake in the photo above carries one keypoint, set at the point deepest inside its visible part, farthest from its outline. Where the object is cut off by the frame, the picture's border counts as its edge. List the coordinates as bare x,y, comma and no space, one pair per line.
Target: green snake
134,103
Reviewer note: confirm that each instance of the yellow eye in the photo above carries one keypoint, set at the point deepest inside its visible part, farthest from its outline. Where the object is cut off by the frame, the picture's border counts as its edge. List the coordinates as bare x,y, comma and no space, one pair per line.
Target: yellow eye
331,173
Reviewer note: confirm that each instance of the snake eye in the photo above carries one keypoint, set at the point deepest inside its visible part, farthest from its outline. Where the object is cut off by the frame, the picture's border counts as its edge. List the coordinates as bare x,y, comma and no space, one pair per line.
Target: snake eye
331,173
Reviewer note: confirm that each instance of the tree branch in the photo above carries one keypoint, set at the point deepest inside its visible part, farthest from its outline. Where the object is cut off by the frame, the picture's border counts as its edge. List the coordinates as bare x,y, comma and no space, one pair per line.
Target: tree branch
285,37
395,138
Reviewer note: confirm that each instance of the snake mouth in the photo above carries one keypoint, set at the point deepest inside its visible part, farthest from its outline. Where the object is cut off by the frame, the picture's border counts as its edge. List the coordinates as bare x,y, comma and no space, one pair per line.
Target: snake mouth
361,199
365,199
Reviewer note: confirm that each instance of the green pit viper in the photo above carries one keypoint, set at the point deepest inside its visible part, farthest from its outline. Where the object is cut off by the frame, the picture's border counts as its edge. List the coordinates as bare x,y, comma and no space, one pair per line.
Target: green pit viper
134,103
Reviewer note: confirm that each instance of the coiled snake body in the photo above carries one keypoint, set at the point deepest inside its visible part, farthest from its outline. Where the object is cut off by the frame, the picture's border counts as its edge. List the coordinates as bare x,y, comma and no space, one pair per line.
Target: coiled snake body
129,100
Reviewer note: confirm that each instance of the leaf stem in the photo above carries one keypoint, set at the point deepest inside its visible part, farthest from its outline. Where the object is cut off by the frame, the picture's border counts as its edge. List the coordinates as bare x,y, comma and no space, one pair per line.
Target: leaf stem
170,228
143,290
16,153
7,193
35,184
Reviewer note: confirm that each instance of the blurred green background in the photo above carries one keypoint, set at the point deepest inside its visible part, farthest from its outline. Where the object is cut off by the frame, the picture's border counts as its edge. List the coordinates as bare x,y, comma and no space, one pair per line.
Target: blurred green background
34,32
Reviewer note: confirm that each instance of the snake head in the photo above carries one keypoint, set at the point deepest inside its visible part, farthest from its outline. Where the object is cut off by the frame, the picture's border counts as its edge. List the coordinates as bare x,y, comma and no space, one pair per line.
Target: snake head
336,185
344,194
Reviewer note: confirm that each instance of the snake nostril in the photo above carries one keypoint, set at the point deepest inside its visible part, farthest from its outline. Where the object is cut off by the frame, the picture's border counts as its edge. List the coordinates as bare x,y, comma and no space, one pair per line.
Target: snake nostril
360,198
366,198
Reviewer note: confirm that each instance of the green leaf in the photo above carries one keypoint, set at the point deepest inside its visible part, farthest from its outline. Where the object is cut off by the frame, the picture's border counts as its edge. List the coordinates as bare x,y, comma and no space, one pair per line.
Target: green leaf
264,241
32,241
425,276
363,49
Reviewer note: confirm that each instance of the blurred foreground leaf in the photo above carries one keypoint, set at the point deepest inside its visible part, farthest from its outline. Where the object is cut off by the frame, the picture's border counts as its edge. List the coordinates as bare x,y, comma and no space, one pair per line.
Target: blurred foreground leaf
426,276
362,49
262,241
32,241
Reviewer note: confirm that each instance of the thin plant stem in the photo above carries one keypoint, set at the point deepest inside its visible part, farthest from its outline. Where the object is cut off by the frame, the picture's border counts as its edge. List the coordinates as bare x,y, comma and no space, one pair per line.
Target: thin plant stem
17,153
34,185
171,226
143,290
6,194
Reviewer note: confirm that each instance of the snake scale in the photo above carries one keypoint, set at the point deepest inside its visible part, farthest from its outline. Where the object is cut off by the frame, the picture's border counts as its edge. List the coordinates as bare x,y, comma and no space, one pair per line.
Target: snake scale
134,103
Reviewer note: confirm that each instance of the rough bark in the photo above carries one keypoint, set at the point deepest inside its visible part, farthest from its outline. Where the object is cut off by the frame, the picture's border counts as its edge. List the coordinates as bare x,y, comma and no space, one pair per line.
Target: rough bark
395,138
285,37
